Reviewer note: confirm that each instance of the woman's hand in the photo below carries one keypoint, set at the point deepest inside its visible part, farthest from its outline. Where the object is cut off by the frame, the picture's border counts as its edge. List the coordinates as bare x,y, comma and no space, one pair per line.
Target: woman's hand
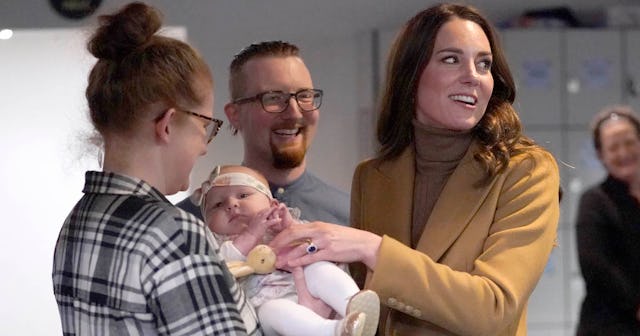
333,242
305,298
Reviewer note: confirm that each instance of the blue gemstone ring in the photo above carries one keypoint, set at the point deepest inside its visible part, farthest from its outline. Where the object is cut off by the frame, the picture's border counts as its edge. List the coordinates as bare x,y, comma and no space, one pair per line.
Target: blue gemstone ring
312,248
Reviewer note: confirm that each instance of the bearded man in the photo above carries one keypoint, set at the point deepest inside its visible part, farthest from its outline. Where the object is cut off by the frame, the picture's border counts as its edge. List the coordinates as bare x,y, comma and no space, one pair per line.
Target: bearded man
275,108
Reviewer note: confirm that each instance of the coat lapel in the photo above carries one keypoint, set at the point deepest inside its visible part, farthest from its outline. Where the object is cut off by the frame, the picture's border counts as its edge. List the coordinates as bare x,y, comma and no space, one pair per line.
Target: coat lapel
394,197
455,207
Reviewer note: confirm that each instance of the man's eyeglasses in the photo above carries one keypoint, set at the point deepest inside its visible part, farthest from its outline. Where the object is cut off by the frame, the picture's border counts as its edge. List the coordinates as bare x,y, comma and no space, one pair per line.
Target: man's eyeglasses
277,101
213,125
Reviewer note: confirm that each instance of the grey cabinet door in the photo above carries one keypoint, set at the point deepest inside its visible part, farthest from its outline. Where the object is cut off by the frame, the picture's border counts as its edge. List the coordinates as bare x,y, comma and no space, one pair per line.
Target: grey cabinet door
535,58
631,73
593,65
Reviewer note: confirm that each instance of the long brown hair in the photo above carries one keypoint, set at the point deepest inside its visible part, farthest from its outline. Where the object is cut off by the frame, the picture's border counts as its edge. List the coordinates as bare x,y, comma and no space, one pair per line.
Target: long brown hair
499,131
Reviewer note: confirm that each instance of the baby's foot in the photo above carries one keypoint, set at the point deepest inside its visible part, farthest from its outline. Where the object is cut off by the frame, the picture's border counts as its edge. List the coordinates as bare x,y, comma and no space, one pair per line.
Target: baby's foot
367,302
352,325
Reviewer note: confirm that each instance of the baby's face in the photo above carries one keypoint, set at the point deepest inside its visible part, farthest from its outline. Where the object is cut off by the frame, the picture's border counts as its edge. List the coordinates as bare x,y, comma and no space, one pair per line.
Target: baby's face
229,209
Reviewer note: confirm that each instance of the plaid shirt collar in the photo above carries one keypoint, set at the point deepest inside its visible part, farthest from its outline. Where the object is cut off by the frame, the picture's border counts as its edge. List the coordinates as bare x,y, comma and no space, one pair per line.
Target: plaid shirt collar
116,184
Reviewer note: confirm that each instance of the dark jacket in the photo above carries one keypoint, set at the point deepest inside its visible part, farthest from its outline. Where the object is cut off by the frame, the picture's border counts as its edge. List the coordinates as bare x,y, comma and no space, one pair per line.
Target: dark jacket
608,237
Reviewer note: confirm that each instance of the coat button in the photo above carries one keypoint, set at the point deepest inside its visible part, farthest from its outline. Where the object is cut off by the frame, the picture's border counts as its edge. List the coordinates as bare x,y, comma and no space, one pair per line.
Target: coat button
392,302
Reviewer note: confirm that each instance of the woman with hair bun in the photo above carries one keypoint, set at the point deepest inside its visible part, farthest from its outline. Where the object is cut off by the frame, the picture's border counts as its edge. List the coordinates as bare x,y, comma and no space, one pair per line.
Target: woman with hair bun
127,261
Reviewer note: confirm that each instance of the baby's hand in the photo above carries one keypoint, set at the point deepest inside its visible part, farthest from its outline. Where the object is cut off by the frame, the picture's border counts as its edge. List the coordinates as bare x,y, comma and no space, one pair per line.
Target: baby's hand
256,230
264,220
286,219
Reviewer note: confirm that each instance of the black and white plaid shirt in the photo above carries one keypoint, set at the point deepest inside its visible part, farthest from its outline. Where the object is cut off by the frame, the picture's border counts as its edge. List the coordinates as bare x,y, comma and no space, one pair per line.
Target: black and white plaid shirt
127,262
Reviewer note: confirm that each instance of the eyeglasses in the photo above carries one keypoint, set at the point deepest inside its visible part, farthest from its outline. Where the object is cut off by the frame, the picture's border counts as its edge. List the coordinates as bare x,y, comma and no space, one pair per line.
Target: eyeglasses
213,125
277,101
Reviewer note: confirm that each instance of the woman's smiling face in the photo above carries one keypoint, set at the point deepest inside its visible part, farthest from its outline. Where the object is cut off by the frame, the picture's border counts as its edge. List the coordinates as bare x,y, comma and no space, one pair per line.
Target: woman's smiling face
620,149
456,84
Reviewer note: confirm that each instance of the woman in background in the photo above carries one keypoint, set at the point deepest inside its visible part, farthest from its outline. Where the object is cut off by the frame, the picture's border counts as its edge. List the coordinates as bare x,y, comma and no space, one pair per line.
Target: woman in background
608,229
127,262
458,211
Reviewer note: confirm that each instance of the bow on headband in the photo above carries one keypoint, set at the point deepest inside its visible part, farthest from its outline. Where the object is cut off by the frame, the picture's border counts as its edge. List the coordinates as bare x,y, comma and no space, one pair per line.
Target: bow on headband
200,194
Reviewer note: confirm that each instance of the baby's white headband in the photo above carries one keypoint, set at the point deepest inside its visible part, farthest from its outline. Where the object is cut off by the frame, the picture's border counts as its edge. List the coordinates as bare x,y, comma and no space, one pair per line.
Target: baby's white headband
227,179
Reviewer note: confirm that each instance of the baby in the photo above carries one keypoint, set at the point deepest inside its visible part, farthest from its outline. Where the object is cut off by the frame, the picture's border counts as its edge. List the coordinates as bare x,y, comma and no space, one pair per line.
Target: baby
238,207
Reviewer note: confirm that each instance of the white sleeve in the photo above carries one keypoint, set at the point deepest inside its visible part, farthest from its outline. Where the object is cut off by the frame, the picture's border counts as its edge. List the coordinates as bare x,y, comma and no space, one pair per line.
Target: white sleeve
230,253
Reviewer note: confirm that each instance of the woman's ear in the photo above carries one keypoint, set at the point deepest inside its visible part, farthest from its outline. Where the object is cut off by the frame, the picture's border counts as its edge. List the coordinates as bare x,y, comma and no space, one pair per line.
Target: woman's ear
163,125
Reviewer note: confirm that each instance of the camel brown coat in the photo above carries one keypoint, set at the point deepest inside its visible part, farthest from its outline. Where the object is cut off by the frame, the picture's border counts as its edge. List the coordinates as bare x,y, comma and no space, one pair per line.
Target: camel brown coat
482,251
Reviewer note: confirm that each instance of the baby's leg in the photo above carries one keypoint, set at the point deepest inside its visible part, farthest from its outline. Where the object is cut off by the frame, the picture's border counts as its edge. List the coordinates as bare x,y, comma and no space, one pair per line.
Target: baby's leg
336,288
326,281
285,317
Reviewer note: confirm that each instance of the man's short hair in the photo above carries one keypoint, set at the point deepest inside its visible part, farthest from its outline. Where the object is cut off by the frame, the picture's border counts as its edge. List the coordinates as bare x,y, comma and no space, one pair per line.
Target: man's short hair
255,50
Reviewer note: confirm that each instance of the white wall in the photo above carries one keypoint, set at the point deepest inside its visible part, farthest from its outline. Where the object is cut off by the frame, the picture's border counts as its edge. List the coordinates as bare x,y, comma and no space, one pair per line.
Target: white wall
41,85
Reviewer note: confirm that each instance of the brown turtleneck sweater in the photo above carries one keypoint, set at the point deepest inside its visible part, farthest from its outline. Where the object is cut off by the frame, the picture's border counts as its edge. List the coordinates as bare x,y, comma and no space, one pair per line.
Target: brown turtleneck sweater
438,153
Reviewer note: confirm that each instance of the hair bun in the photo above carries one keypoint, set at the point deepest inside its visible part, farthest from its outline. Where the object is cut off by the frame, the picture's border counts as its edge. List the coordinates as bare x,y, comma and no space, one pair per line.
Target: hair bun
124,31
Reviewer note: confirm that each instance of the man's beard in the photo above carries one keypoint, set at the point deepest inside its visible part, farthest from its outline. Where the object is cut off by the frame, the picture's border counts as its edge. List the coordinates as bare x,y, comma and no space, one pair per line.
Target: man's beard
288,158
